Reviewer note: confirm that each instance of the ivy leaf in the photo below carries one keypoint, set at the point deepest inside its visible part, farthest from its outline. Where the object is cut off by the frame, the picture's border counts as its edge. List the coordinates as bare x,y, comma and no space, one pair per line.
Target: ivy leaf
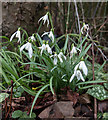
98,92
3,96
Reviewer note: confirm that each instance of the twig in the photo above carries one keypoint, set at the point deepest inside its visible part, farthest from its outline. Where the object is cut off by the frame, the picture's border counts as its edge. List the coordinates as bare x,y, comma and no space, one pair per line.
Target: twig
5,105
10,100
67,22
96,9
82,11
95,101
101,52
77,15
99,49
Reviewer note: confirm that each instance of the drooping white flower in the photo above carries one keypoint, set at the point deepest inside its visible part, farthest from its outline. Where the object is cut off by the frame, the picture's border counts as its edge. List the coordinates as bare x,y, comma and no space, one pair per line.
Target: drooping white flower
27,46
43,47
32,38
85,28
81,65
55,58
78,75
45,33
51,36
61,56
73,51
17,34
48,49
45,18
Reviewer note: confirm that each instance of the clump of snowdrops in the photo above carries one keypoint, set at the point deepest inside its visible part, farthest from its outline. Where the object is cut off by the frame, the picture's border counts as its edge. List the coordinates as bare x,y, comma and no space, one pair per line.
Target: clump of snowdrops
53,68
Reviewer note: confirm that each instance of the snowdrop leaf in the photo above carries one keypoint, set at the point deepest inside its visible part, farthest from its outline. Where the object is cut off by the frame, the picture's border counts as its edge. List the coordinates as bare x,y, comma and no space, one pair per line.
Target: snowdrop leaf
66,43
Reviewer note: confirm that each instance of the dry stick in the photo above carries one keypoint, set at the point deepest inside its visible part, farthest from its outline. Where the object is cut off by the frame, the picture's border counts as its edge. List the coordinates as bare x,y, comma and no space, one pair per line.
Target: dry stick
82,11
77,15
99,50
6,105
67,24
95,101
78,20
10,100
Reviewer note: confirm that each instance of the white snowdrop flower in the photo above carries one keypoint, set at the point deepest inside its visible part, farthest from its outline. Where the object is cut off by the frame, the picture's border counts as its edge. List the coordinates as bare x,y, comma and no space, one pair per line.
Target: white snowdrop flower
78,75
27,46
32,38
85,28
17,34
45,33
51,36
73,51
61,56
55,58
81,65
43,47
48,49
45,18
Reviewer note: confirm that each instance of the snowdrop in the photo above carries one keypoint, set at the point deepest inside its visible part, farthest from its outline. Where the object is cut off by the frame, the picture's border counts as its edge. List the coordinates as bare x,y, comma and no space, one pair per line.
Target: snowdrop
74,50
50,35
55,58
43,47
85,28
78,75
60,56
32,38
48,48
17,34
45,18
27,46
45,33
81,65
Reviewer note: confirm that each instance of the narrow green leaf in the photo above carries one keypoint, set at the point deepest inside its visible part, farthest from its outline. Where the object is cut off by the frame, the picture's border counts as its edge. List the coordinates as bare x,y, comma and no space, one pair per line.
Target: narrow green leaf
66,43
37,95
90,82
51,85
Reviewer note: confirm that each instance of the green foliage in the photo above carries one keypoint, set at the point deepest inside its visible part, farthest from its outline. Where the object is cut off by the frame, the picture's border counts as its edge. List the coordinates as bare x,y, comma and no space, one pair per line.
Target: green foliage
98,92
18,91
3,96
17,114
22,115
105,116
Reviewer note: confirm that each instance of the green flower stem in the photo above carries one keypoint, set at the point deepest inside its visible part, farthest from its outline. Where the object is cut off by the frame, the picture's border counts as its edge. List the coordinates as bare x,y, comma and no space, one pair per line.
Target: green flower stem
24,31
39,27
50,18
